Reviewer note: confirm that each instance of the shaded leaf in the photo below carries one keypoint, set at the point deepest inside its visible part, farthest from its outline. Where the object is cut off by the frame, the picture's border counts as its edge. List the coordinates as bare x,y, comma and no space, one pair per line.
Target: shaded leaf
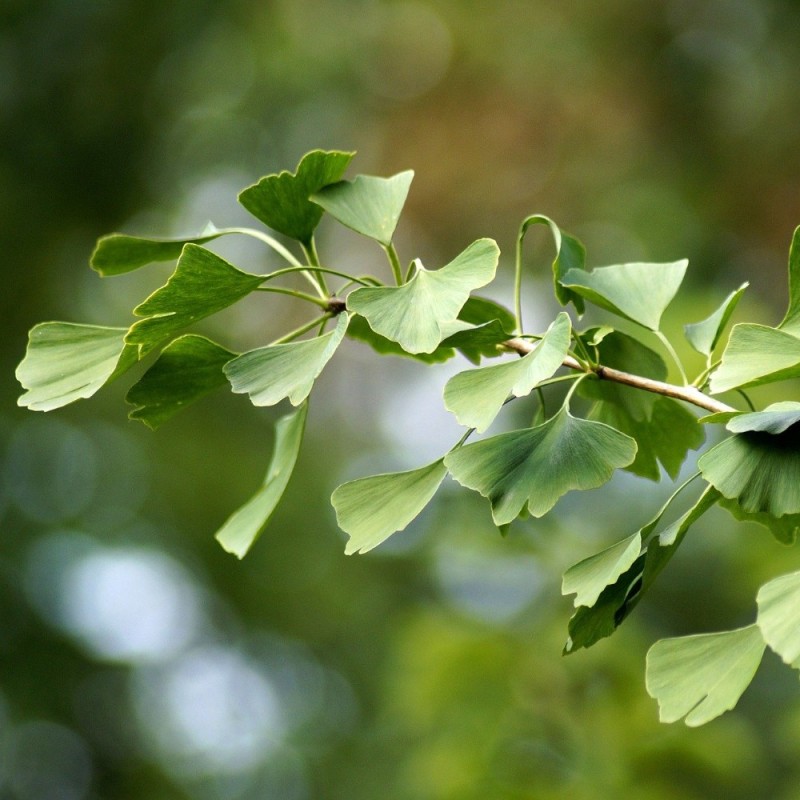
700,677
415,315
66,361
774,419
270,374
784,529
371,509
244,526
360,330
791,322
368,205
703,336
537,465
186,370
282,201
779,616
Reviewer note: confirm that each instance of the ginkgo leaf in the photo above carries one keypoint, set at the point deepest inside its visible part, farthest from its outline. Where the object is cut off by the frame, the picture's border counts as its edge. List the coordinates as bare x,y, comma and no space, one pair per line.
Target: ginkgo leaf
368,205
66,361
415,314
791,322
535,466
187,369
201,285
755,355
244,526
703,336
775,418
270,374
779,616
282,201
638,292
477,395
118,253
785,529
700,677
371,509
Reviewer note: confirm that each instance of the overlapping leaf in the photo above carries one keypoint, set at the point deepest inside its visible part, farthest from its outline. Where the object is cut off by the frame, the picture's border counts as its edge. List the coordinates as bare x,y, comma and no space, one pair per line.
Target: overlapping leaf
416,314
477,395
371,509
779,616
282,201
187,369
701,677
785,529
270,374
66,361
244,526
703,336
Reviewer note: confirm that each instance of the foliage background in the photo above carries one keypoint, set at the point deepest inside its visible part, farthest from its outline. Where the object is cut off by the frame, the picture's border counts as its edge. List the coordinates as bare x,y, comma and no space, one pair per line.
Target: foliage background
137,659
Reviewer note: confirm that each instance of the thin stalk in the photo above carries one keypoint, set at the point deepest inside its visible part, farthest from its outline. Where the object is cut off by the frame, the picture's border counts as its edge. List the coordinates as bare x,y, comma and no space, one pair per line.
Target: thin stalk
322,302
701,380
394,260
313,260
367,280
269,241
292,335
518,281
669,348
746,399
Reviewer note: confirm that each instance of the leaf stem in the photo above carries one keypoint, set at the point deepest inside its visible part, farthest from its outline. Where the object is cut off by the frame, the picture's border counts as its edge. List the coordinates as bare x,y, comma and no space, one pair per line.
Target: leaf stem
322,302
365,281
746,399
313,258
301,330
671,350
394,260
518,279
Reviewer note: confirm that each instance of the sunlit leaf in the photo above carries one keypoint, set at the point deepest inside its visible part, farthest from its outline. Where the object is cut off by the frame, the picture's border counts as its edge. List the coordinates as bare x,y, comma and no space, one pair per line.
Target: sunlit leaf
785,529
415,315
187,369
703,336
477,395
775,418
700,677
535,466
201,285
371,509
282,201
66,361
368,205
779,616
244,526
791,322
270,374
638,292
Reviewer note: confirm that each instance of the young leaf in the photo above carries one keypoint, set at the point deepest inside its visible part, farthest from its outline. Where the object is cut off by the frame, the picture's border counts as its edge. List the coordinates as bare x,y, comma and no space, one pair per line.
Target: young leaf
637,292
244,526
415,315
187,369
368,205
66,361
201,285
700,677
270,374
784,529
282,201
477,395
779,616
791,322
703,336
371,509
537,465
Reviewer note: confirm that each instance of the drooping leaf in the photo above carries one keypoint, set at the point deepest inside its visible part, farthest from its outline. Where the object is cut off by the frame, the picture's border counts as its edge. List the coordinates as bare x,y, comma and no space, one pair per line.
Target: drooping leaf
66,361
282,201
791,322
244,526
774,419
537,465
755,355
201,285
480,310
118,253
637,292
360,330
700,677
477,395
371,509
187,369
368,205
785,529
270,374
703,336
779,616
415,315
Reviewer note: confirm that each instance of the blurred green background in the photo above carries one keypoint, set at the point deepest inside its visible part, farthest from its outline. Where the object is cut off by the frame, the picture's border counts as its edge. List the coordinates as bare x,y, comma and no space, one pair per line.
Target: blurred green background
137,659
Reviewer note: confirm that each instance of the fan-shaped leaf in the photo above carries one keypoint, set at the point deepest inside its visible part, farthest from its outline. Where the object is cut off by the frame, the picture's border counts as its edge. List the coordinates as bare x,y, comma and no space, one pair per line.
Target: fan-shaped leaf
779,616
784,529
703,336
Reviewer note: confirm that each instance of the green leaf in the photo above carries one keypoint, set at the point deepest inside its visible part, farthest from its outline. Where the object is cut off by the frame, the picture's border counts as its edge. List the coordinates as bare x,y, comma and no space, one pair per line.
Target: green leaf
368,205
755,355
270,374
244,526
65,361
371,509
537,465
118,253
700,677
637,292
415,315
474,341
703,336
282,201
477,395
791,322
779,616
360,330
187,369
480,310
774,419
201,285
784,529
